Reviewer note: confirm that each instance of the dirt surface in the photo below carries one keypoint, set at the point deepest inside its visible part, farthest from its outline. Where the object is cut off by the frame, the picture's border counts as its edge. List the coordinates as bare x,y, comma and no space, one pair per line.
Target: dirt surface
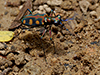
68,53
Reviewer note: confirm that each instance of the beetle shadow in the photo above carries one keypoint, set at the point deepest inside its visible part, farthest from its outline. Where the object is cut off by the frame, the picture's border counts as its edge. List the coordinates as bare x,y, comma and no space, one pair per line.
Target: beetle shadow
34,41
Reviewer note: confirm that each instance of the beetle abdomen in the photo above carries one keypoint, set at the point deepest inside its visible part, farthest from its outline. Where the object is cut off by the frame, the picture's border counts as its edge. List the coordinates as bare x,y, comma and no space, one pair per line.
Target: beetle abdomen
32,20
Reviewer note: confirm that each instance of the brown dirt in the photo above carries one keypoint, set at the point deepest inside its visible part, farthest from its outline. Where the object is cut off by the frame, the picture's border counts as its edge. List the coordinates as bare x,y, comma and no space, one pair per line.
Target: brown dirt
66,54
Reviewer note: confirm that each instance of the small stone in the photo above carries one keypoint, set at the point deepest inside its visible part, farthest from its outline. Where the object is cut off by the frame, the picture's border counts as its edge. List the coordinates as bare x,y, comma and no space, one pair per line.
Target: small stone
39,2
10,56
2,46
5,71
93,7
66,48
62,39
32,53
37,11
35,8
20,7
93,13
0,25
98,11
23,0
2,67
41,8
3,52
93,1
6,65
20,59
48,10
6,12
64,32
0,71
14,12
84,5
98,19
54,2
58,35
54,60
15,68
97,25
28,57
66,5
45,6
99,58
13,48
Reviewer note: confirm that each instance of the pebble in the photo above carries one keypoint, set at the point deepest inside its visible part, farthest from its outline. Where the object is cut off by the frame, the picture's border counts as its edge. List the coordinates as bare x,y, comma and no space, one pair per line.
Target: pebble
93,13
38,11
3,52
6,12
14,12
13,48
32,69
28,57
54,2
10,56
2,67
98,11
45,6
62,39
93,1
23,0
66,5
95,42
20,7
54,60
35,7
64,32
15,68
84,5
0,25
93,7
58,35
0,71
6,65
98,19
48,9
2,46
98,25
41,8
38,2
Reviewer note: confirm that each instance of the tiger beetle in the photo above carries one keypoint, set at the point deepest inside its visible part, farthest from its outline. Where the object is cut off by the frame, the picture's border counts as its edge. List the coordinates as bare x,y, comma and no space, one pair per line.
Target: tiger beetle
43,19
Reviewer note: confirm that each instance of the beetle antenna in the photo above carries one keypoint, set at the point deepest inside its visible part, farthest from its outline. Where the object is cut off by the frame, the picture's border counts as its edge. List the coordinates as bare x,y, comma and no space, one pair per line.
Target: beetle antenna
25,13
29,11
70,18
66,28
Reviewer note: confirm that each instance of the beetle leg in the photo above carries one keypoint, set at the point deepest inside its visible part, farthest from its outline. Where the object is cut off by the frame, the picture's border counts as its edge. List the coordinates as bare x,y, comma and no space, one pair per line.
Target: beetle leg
50,33
52,13
43,33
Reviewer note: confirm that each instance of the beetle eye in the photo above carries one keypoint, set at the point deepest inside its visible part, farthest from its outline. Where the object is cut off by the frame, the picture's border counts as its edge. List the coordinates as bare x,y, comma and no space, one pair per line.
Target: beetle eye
58,16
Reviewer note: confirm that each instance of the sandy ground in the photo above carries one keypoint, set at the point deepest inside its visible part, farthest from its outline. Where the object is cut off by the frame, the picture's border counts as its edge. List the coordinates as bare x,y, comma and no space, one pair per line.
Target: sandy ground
74,53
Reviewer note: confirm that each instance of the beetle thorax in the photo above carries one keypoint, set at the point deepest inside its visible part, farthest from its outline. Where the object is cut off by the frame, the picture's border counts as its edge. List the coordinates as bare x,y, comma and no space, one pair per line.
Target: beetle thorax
47,19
